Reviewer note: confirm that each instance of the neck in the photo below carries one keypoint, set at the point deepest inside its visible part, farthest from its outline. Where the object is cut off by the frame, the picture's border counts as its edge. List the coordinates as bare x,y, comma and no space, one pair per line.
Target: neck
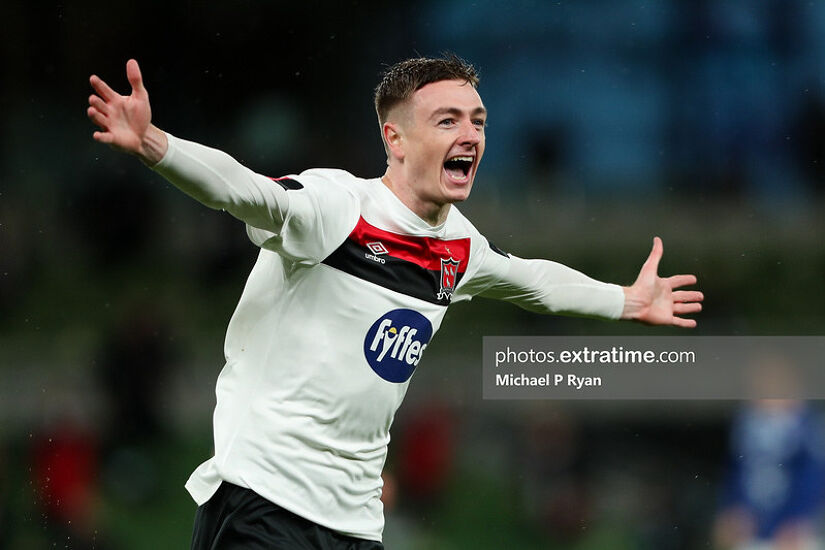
431,212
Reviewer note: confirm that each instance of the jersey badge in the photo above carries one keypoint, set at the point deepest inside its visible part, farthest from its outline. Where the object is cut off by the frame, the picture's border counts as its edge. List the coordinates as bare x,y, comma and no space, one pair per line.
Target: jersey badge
449,269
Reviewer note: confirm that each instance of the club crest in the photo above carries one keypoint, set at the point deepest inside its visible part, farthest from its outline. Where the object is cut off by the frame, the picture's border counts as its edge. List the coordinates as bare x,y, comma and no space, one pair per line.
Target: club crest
449,270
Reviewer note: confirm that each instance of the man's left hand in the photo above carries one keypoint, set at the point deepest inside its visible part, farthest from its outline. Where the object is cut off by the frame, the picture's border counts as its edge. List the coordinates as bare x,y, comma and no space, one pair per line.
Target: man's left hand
654,300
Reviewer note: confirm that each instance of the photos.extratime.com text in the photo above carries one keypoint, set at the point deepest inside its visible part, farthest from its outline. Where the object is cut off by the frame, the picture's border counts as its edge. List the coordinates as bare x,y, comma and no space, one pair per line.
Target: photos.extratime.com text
660,367
587,356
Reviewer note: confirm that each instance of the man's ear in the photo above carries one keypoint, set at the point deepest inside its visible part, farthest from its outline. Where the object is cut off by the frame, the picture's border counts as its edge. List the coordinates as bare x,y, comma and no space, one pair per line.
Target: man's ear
393,140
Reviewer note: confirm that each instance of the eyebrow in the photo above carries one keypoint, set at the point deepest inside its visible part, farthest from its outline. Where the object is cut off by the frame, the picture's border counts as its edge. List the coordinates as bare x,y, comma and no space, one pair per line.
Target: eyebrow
455,111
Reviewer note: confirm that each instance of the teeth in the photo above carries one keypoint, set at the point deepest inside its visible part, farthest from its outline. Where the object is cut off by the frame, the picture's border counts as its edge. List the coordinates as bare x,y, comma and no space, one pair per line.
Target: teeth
468,159
455,177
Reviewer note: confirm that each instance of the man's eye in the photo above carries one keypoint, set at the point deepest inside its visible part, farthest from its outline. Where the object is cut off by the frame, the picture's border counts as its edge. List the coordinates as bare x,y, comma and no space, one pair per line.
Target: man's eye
446,122
480,123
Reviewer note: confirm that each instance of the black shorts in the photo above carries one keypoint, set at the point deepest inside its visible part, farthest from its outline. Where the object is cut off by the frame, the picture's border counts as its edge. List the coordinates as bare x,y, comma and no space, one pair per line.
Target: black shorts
237,518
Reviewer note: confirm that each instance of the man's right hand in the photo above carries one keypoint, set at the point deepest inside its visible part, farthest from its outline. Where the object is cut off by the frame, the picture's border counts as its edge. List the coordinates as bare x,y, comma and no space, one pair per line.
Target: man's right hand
126,121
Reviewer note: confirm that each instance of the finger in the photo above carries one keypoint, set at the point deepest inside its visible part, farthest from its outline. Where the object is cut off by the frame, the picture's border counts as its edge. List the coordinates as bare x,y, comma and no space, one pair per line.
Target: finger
652,261
684,323
99,104
103,137
97,117
688,296
134,77
693,307
103,89
681,280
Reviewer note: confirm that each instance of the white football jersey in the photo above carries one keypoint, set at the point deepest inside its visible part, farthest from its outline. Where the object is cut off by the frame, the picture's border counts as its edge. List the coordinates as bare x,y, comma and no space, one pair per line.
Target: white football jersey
349,288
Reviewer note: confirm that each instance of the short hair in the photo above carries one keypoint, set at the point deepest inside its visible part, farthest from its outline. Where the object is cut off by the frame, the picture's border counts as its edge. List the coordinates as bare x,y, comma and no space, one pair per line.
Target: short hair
402,80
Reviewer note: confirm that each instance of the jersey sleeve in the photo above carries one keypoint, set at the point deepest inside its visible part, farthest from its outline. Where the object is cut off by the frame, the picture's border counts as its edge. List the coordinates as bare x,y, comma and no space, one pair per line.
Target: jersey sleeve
541,286
303,218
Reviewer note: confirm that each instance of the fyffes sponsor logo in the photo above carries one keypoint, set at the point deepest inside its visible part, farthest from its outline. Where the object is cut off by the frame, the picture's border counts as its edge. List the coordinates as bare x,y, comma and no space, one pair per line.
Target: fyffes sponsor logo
395,342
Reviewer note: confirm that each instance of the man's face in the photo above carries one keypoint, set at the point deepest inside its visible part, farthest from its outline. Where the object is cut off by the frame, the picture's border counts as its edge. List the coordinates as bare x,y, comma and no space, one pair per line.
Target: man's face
443,140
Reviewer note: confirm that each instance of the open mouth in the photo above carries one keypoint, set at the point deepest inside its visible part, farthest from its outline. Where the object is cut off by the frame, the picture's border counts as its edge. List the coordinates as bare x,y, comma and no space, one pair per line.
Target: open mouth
458,168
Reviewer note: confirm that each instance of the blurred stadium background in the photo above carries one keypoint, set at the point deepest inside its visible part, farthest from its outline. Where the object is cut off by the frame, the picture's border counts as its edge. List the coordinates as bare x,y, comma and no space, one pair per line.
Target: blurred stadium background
610,122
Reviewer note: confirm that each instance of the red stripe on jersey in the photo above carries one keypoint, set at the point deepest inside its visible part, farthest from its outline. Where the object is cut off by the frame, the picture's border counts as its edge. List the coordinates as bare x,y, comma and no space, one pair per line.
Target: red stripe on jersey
426,252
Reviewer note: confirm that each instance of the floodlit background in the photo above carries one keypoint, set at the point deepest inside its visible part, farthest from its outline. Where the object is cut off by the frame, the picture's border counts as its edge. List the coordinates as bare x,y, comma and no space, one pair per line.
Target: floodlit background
610,122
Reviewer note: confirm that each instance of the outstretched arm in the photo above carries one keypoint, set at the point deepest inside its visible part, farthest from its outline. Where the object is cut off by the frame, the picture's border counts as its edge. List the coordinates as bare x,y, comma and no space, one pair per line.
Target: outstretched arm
654,300
208,175
126,121
549,287
300,221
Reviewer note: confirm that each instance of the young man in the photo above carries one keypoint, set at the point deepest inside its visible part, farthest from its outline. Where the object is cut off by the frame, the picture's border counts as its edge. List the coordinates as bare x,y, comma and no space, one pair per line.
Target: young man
352,281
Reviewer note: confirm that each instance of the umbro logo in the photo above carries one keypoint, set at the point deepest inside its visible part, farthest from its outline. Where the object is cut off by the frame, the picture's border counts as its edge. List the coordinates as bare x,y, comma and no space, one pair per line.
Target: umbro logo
377,248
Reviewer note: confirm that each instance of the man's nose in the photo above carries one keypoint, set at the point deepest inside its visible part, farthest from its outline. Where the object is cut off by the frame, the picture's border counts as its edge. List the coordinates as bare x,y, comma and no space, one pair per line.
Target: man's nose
470,134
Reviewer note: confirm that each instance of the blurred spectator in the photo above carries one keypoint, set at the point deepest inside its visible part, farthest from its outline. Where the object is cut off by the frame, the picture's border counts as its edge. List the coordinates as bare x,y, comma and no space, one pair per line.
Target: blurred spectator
116,215
66,474
810,153
389,492
775,484
5,508
132,370
553,481
426,453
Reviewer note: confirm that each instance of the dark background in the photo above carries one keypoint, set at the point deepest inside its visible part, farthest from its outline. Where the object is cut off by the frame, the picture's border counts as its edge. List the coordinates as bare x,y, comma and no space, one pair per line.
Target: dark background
610,122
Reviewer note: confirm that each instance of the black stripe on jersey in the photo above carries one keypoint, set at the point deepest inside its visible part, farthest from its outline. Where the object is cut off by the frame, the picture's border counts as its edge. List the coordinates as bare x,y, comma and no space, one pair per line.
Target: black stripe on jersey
497,250
394,274
288,183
